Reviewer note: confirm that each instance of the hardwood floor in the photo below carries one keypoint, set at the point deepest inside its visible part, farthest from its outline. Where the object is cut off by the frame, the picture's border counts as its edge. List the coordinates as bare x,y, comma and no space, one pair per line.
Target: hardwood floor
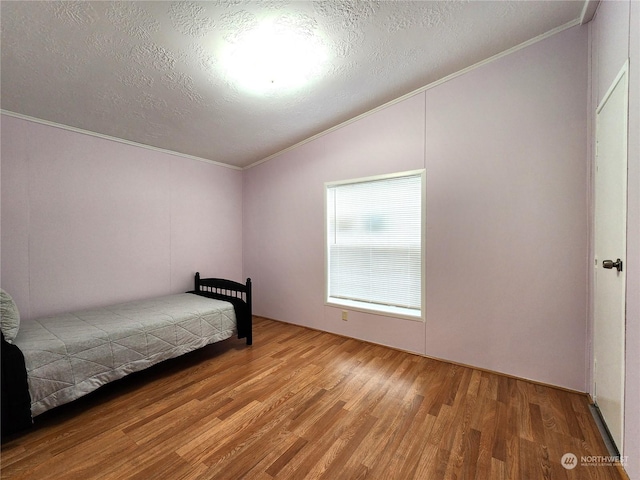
306,404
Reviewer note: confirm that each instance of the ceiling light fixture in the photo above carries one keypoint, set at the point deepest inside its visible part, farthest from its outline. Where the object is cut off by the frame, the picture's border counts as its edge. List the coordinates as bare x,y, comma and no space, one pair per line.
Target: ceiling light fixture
274,58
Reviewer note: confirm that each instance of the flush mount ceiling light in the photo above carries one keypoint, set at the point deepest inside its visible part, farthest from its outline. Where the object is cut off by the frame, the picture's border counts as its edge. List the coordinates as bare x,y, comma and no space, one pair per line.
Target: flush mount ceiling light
274,58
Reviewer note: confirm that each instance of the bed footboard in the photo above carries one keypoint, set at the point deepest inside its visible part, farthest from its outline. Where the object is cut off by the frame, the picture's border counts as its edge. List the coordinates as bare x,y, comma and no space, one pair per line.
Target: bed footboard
237,293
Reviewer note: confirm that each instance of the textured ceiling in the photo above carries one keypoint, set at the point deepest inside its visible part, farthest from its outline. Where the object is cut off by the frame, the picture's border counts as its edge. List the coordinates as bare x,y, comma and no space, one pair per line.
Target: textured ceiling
151,72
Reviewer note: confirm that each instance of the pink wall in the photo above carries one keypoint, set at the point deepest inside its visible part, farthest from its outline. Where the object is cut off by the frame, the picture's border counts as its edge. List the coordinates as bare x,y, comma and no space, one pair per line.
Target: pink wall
504,147
88,221
615,36
507,214
284,227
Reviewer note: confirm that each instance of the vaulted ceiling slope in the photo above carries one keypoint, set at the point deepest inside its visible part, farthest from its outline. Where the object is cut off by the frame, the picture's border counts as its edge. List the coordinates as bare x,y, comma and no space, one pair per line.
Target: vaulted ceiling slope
156,73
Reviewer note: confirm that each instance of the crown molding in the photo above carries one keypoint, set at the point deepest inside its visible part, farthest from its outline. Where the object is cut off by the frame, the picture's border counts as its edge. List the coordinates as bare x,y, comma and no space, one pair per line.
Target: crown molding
587,14
588,11
493,58
114,139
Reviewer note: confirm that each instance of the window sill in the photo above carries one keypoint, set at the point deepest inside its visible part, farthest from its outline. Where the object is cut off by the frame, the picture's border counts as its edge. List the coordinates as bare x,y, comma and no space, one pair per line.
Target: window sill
383,310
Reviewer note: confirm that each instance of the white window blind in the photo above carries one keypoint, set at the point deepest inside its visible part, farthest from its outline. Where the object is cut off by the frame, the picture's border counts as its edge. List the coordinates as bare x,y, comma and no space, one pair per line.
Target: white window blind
374,242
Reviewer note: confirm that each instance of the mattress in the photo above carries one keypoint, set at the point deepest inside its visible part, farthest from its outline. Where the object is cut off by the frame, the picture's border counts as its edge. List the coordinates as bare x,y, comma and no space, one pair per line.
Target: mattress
70,355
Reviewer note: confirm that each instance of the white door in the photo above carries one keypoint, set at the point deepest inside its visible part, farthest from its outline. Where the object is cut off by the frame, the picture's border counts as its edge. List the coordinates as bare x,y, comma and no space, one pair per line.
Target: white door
610,255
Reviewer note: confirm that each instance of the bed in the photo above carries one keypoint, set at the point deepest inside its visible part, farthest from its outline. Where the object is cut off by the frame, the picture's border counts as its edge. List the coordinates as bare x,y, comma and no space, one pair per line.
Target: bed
54,360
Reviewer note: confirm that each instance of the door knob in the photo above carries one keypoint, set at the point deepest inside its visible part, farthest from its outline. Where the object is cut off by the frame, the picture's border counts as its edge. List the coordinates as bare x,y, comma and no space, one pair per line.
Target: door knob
611,264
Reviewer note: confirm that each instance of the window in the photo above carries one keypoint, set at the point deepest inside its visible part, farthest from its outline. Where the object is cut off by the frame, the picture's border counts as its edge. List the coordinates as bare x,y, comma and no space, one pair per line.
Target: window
374,245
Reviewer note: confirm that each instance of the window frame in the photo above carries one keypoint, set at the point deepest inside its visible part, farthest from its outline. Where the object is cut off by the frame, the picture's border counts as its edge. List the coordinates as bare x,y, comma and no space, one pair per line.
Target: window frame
372,308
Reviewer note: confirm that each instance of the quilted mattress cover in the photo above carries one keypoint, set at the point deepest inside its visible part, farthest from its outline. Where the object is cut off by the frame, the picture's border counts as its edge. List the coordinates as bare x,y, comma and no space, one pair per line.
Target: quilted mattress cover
70,355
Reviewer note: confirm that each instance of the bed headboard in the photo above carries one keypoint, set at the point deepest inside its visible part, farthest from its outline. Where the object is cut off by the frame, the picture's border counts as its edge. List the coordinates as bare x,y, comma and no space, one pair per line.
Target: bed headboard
221,286
236,293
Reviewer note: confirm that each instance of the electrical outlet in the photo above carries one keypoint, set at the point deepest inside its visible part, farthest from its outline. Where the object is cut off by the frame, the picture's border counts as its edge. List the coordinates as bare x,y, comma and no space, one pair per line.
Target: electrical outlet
345,315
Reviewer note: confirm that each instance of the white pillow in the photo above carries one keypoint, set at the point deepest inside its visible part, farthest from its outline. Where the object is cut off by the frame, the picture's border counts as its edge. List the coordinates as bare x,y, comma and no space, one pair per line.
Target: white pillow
9,316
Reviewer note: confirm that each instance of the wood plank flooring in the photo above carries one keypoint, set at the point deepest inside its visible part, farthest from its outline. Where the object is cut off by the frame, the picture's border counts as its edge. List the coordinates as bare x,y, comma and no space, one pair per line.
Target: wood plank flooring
306,404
